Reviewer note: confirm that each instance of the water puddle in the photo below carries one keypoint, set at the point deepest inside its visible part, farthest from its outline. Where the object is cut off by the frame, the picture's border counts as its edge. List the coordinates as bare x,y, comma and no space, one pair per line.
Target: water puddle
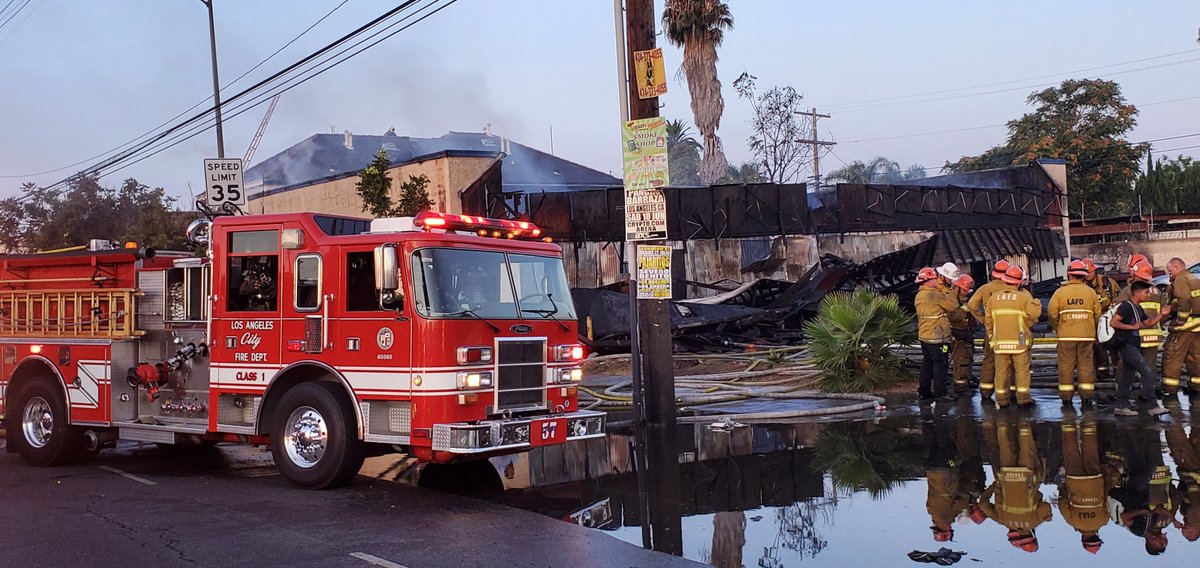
1005,487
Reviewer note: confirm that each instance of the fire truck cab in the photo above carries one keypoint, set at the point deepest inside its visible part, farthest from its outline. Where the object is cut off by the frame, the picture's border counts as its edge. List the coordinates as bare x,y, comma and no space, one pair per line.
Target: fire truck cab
448,337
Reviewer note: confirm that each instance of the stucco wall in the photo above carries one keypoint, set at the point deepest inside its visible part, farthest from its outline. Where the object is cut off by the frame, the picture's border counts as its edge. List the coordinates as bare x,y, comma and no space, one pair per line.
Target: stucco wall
1159,251
338,197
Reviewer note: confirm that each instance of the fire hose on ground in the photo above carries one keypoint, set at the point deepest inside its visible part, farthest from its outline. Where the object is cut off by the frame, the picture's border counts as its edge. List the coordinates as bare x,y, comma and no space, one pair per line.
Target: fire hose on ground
697,391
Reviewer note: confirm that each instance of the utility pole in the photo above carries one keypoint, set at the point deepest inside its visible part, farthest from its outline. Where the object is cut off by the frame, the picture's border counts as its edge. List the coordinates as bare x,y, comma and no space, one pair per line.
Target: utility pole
816,146
650,335
212,40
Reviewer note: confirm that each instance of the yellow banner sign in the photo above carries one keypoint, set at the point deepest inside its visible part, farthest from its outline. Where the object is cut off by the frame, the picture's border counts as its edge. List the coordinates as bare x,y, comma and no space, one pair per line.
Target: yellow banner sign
649,73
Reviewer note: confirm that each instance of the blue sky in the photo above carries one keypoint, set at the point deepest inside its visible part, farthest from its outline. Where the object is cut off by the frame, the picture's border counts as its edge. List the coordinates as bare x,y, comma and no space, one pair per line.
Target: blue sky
82,77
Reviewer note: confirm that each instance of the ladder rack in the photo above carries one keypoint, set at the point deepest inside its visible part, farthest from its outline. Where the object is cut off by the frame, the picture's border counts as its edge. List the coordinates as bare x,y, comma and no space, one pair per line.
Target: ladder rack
85,314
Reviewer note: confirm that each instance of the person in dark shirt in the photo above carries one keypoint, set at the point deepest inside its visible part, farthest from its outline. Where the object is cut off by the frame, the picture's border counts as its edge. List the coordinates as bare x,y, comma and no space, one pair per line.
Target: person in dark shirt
1128,319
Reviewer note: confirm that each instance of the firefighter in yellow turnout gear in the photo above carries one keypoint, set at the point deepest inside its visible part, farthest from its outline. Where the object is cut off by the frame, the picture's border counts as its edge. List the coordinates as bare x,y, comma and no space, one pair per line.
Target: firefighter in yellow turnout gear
933,306
1011,314
1183,345
975,307
962,328
1151,338
1073,311
1082,499
1014,499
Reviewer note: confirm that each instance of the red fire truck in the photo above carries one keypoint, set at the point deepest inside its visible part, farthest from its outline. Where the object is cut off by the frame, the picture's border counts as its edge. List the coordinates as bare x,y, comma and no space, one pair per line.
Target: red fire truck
448,337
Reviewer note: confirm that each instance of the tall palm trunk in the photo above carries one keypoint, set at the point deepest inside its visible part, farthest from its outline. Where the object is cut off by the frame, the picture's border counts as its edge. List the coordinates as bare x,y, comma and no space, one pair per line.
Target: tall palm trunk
700,68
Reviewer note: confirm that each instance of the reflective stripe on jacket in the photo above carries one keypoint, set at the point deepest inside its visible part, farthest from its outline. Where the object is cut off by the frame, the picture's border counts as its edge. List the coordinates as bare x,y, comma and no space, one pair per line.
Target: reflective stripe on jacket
1011,314
1073,311
933,305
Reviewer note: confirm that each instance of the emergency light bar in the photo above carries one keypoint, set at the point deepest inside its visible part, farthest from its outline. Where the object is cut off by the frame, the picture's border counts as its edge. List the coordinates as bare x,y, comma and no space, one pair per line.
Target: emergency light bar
482,226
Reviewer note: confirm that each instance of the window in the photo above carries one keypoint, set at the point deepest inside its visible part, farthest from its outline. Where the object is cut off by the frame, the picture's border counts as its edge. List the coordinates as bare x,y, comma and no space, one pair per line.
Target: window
307,296
542,288
458,283
253,276
361,295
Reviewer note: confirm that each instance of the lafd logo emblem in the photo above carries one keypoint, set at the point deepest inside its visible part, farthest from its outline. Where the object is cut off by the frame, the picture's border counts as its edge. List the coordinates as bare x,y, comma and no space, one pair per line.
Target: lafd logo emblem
385,339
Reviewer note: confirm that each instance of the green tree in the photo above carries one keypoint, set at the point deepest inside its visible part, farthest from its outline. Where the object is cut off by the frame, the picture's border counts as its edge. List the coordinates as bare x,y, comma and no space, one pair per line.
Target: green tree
374,186
878,170
1084,122
698,26
851,341
775,141
683,154
149,218
23,217
1168,186
414,197
748,172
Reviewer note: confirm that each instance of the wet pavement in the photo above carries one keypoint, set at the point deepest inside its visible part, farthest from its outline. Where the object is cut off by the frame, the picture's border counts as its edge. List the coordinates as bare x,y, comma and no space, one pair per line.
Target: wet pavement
1007,487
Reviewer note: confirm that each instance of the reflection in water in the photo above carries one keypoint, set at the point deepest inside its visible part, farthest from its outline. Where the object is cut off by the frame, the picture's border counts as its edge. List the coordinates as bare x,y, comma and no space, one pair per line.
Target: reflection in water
1006,486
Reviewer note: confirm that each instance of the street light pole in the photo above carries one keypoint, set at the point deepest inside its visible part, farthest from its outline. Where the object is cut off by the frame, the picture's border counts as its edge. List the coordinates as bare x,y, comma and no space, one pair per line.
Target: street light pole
212,38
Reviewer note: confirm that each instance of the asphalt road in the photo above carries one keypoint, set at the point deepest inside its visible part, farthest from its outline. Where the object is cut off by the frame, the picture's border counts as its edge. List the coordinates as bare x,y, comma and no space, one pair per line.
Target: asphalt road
226,506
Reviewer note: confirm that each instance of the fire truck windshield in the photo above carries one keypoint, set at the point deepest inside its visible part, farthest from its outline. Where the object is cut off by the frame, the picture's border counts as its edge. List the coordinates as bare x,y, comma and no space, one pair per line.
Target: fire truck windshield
459,283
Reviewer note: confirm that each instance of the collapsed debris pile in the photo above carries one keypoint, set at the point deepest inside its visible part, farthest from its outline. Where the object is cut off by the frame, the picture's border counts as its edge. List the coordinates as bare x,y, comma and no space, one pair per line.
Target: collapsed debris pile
764,313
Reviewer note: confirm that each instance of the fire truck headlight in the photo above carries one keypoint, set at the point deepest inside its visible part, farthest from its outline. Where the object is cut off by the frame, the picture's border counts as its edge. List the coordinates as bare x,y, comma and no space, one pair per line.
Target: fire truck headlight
570,375
470,438
468,380
568,352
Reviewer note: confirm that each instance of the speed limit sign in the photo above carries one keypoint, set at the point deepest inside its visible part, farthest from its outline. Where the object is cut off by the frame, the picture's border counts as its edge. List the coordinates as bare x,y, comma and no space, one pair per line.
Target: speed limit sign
223,181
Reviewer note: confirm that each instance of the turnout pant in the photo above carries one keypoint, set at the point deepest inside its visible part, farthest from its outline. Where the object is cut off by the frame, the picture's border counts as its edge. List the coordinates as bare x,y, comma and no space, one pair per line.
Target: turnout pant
962,355
1132,363
1008,367
1182,347
1105,360
1074,355
934,362
1081,452
987,370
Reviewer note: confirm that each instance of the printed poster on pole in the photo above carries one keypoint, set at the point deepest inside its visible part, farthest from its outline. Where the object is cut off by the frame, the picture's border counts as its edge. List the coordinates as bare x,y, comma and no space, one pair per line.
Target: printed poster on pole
644,146
653,272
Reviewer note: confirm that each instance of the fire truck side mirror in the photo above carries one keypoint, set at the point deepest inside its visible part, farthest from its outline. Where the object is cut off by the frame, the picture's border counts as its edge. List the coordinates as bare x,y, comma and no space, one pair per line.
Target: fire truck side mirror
387,274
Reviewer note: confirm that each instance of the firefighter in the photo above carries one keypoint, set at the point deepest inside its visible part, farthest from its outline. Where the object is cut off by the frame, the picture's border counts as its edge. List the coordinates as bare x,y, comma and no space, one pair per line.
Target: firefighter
1128,319
1011,314
1081,498
1106,290
1185,452
1151,338
1014,499
944,498
1183,344
933,306
1073,311
975,307
1136,503
962,329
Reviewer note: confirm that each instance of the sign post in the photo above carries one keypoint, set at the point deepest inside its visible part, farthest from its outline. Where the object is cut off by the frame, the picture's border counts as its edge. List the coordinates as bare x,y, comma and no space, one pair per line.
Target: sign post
223,182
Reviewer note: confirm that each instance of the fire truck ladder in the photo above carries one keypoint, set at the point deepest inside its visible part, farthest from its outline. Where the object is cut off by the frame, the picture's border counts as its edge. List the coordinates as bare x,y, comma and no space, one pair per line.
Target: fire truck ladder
88,314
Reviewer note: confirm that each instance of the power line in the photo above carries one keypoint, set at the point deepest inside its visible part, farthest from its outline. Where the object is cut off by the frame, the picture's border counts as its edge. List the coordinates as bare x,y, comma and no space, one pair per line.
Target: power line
185,111
1009,82
196,129
885,106
13,30
205,115
13,14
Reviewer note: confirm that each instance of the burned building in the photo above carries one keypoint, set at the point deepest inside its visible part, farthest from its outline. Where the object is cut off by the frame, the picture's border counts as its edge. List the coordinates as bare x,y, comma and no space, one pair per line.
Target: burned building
727,235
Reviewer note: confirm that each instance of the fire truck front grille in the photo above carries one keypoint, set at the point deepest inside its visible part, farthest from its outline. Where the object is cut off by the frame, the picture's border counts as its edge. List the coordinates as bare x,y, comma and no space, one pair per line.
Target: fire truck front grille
520,374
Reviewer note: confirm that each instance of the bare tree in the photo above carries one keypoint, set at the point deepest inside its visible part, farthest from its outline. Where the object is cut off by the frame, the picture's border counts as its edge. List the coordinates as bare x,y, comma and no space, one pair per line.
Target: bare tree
777,129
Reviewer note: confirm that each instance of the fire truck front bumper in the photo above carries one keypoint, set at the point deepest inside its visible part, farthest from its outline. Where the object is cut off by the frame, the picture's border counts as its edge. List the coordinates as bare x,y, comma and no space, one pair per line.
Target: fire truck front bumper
517,434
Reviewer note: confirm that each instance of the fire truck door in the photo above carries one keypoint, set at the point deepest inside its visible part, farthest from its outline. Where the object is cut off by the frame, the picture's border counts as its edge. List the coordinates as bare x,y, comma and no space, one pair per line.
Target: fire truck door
374,344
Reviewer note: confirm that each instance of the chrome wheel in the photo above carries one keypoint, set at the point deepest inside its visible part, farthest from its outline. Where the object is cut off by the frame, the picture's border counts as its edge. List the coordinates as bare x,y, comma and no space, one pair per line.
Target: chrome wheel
37,422
305,437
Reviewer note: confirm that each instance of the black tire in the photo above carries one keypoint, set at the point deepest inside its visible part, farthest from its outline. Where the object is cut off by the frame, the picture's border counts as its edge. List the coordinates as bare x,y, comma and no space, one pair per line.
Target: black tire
306,462
39,418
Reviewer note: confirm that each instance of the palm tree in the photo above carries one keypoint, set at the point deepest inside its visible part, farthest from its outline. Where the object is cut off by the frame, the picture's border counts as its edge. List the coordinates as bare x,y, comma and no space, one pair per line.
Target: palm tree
879,169
683,154
851,341
699,27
